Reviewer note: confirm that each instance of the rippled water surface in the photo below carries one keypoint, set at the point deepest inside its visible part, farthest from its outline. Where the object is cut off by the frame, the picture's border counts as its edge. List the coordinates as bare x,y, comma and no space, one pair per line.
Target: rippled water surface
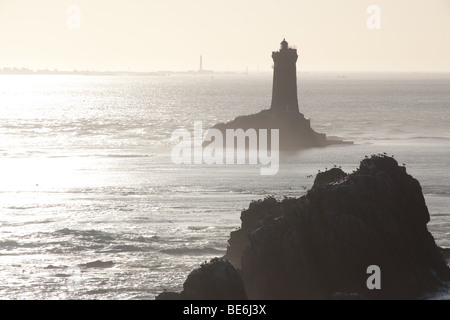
92,207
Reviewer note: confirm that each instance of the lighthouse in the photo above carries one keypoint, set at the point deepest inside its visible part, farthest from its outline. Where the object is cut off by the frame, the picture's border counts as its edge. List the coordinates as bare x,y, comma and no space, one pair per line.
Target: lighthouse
295,132
284,91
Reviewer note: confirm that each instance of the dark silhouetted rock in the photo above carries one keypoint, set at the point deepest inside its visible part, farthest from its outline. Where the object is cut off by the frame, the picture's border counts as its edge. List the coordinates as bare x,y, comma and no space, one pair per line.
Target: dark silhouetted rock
216,280
295,131
330,176
166,295
252,218
319,246
445,252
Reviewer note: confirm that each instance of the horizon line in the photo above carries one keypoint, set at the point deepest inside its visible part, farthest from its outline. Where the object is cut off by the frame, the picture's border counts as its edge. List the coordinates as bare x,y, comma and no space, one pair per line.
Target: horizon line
27,71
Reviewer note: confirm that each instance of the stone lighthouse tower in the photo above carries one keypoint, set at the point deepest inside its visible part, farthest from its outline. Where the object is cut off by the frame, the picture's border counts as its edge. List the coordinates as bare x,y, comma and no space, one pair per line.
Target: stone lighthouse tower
284,92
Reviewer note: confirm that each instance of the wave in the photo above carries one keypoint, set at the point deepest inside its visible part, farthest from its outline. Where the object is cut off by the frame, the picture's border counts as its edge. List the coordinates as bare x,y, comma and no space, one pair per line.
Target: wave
25,223
246,191
117,155
21,207
97,264
104,242
52,267
143,239
408,138
436,193
109,191
127,248
99,291
111,155
430,137
91,234
198,228
9,244
193,251
12,244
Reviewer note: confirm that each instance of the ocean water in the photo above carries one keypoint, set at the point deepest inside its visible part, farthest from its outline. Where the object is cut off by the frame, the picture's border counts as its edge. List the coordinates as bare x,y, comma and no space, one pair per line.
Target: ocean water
86,173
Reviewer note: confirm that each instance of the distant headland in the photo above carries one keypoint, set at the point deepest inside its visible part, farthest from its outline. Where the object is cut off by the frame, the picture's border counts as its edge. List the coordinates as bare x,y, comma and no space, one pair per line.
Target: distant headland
27,71
295,130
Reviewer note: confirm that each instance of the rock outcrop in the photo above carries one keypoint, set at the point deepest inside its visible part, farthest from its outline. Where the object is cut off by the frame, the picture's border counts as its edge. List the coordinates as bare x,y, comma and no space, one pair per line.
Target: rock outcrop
445,252
216,280
319,246
295,130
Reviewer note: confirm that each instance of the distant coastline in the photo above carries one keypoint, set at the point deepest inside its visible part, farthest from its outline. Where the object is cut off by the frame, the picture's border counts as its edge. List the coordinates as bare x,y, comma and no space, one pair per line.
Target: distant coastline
26,71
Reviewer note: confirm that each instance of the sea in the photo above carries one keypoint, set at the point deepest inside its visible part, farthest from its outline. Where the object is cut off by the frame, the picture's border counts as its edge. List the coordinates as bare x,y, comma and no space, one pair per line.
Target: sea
92,206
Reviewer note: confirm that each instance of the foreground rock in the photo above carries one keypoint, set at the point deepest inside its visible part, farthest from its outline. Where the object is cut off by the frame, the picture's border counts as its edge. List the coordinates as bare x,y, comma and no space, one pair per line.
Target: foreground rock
320,245
216,280
445,252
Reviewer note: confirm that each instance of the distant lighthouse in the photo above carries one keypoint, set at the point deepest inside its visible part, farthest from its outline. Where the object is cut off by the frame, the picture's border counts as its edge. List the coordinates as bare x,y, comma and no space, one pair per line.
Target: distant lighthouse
284,92
201,64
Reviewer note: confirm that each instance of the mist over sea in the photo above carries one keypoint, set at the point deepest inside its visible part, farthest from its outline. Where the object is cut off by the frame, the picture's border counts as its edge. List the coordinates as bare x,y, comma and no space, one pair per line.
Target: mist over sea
86,174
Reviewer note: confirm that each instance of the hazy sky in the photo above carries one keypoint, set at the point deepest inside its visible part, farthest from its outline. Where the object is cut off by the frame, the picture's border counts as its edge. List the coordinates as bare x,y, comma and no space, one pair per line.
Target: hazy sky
151,35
